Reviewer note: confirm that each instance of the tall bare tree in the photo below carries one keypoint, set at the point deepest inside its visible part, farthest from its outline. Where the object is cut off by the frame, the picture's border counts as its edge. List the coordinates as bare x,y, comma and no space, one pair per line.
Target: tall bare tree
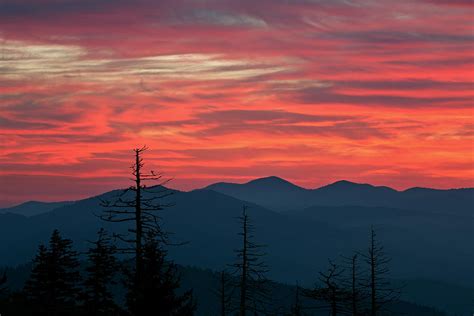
139,205
154,280
250,270
353,283
296,307
382,293
224,293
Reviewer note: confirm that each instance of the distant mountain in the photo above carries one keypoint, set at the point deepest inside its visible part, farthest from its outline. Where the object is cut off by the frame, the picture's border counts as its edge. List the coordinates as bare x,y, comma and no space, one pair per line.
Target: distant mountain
272,192
280,195
455,299
31,208
422,244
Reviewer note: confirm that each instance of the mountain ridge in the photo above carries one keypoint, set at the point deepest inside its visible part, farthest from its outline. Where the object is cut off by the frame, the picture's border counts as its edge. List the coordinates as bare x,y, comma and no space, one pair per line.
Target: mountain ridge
270,193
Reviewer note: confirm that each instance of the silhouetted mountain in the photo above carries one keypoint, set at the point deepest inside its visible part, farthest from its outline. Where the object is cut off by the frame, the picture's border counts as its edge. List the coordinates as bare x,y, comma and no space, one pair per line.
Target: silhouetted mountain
422,244
455,299
287,196
31,208
281,193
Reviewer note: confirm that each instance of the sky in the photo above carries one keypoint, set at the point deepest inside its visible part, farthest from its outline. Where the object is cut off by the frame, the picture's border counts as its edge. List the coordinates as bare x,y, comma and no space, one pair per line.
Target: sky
314,91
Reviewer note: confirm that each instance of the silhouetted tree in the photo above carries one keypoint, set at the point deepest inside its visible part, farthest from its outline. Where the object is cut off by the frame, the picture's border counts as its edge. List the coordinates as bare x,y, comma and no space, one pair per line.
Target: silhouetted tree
353,284
250,270
296,307
382,294
224,294
3,281
140,206
52,286
101,270
157,291
332,292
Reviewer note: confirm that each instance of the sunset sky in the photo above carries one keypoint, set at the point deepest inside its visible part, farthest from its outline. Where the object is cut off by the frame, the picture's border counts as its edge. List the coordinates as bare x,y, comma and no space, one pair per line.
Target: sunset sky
314,91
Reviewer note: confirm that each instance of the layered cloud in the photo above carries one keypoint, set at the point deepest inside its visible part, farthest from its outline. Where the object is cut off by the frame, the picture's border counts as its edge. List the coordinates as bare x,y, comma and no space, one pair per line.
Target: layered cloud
311,90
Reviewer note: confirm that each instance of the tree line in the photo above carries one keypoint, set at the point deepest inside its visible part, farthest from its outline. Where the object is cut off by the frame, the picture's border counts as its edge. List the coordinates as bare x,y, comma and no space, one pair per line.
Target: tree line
61,284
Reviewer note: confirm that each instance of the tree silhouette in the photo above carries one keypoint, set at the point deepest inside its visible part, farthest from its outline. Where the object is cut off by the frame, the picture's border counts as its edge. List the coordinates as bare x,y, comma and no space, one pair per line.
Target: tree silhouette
382,294
3,281
332,292
353,284
52,286
101,270
157,291
296,307
225,296
250,270
140,206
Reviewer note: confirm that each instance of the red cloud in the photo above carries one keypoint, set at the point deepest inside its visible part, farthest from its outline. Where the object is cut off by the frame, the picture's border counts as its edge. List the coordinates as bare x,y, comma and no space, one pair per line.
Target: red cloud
313,91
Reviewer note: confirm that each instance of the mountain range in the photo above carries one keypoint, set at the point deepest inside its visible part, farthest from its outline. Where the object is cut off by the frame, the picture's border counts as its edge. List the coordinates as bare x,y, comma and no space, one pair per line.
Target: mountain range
280,195
428,233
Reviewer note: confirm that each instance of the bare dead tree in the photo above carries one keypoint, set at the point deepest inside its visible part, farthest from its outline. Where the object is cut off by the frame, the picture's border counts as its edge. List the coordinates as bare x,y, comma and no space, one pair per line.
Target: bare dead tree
250,270
224,293
332,292
296,307
140,206
352,283
382,293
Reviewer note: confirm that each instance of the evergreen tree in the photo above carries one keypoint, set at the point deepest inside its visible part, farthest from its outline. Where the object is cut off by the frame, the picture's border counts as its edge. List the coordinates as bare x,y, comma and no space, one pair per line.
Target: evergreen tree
52,286
100,274
157,290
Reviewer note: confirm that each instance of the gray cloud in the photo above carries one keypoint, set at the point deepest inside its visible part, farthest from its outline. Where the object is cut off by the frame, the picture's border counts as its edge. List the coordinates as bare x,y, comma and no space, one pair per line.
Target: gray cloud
218,123
330,96
6,123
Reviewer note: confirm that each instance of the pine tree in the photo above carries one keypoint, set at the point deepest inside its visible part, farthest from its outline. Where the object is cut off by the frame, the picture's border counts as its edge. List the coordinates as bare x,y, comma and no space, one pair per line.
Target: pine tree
101,270
157,291
52,285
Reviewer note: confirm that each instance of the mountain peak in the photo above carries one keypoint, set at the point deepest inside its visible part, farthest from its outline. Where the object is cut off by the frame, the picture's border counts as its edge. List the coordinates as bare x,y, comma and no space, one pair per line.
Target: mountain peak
270,179
344,184
351,186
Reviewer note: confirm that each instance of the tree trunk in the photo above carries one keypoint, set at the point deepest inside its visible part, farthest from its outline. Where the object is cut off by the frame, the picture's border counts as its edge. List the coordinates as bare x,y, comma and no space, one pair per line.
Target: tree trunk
243,282
372,275
138,222
354,289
